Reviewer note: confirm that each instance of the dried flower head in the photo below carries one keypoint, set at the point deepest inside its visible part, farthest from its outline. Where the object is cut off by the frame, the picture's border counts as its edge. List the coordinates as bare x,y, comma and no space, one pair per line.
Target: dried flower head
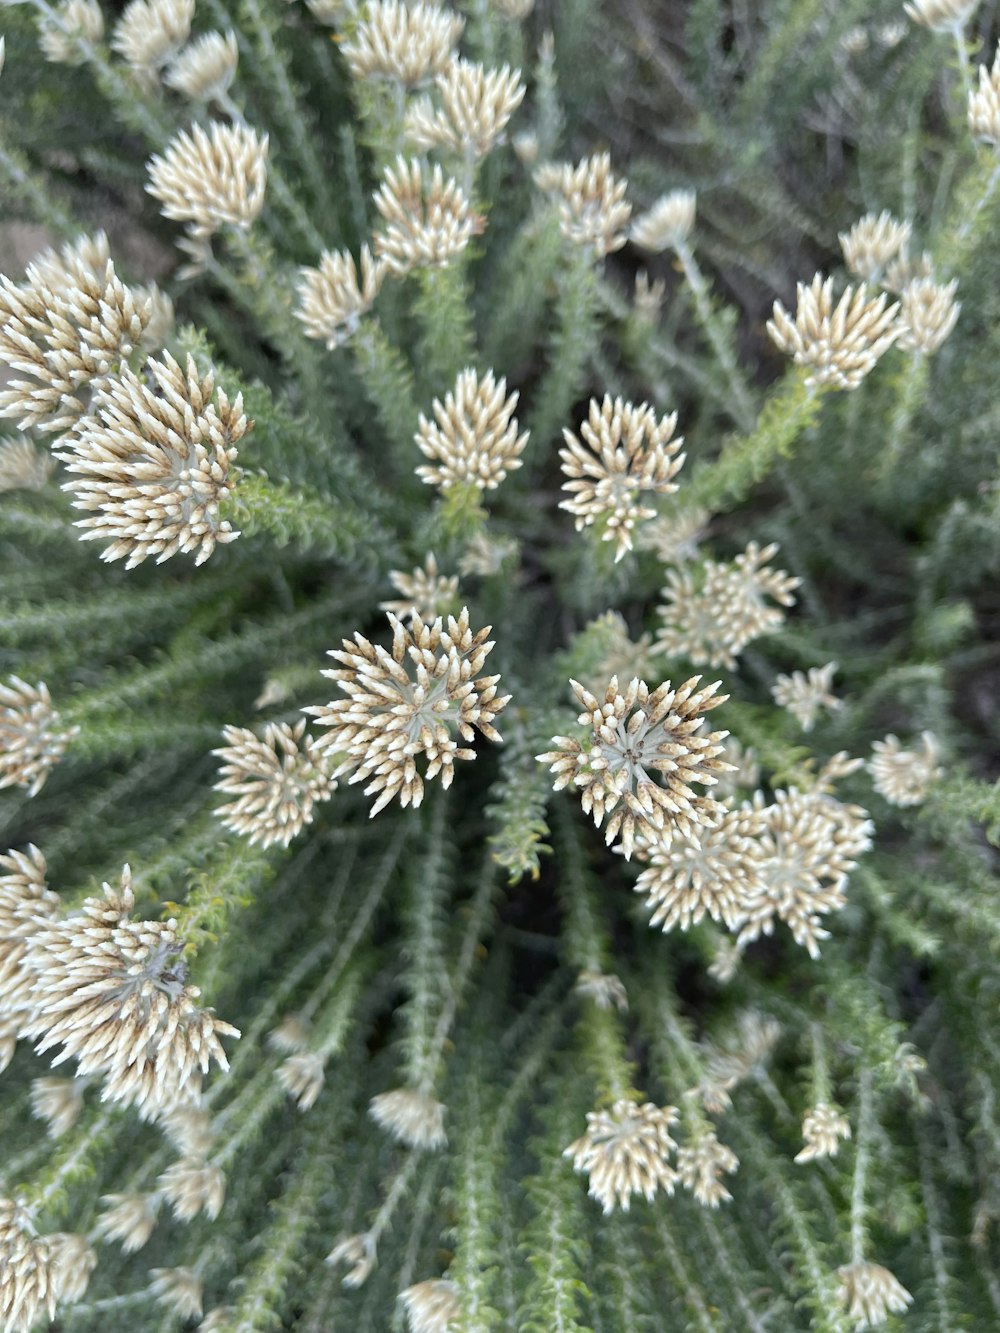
870,1293
984,104
904,777
475,105
405,42
189,1128
710,618
332,300
59,34
809,843
711,874
430,221
66,329
212,178
605,989
57,1101
292,1035
625,1151
277,778
674,537
941,15
179,1289
26,904
872,242
129,1218
838,344
149,32
411,1117
667,224
205,68
804,695
625,450
431,1306
823,1128
36,1271
928,312
152,461
359,1252
701,1162
192,1186
473,439
593,210
23,466
633,736
112,993
302,1076
32,740
409,702
425,592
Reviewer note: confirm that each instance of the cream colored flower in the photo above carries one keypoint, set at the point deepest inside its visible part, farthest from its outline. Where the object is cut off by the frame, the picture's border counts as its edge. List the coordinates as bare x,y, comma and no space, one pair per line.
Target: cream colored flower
58,35
625,1151
152,463
593,210
904,777
205,68
192,1186
804,695
431,1306
409,702
872,243
429,219
411,1117
823,1128
701,1162
870,1293
424,592
941,15
129,1218
32,741
37,1272
302,1076
648,297
839,344
359,1252
332,299
674,537
984,104
625,450
667,223
927,314
473,439
212,178
149,32
57,1101
23,466
405,42
605,989
634,736
26,905
278,779
475,105
179,1289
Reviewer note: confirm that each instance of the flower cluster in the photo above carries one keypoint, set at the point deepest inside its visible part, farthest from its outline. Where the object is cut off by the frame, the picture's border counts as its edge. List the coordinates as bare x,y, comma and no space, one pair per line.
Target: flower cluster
634,736
277,779
593,210
424,591
429,220
409,702
625,450
626,1150
60,34
838,344
412,1117
37,1272
904,777
804,695
473,439
400,41
984,104
869,1293
32,738
23,466
150,32
823,1128
334,297
667,224
475,105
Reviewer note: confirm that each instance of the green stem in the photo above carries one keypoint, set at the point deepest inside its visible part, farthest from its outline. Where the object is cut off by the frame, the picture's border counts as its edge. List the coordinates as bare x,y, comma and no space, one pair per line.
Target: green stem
742,405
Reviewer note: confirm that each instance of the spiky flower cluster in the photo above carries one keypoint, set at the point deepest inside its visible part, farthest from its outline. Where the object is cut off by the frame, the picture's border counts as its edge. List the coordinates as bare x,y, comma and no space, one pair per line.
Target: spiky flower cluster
23,466
69,326
37,1272
332,297
700,1164
711,616
804,695
205,68
904,777
26,904
870,1293
407,703
32,738
473,439
625,451
475,105
59,34
431,1306
872,243
111,991
429,219
984,104
625,1151
667,224
838,344
405,42
674,537
277,778
424,591
593,210
152,463
634,736
150,32
823,1128
928,312
941,15
412,1117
